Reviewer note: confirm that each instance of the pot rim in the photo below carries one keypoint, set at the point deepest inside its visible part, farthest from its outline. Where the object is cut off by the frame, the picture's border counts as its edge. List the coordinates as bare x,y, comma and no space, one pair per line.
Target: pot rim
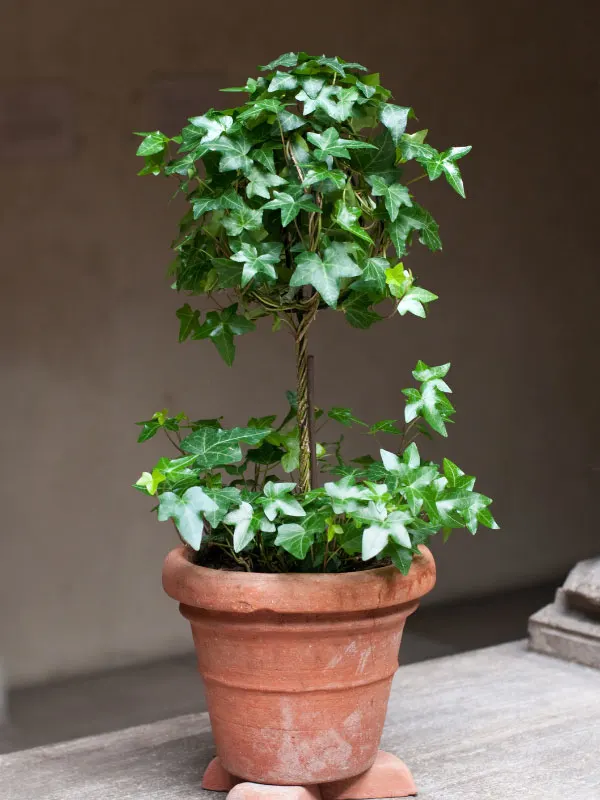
295,592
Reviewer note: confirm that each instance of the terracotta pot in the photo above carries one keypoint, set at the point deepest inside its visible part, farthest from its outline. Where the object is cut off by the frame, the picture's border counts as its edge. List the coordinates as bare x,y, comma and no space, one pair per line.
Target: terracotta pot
297,667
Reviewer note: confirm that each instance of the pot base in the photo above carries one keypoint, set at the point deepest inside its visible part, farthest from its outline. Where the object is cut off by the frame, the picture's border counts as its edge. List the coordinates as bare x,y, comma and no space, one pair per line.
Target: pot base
388,777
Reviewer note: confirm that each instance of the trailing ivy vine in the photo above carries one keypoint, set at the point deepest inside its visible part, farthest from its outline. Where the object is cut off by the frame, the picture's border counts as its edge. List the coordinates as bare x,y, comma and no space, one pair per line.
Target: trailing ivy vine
298,203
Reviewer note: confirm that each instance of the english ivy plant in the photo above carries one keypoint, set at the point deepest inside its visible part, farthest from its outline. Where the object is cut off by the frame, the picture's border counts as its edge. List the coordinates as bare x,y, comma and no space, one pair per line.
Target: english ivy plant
297,202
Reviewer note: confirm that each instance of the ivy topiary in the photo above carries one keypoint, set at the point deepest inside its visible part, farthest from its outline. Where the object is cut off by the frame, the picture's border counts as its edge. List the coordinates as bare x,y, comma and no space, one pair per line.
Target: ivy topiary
297,204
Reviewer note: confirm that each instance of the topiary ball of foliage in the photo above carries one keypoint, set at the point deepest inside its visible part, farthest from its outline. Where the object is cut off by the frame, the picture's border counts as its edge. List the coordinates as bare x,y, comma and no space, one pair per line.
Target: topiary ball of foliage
298,202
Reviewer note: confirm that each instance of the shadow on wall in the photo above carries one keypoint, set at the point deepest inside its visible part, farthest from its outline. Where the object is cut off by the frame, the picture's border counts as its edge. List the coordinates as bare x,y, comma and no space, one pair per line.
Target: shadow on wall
91,321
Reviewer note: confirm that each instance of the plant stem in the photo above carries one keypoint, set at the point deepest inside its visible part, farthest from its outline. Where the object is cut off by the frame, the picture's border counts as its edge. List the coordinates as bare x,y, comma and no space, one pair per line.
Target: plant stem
305,404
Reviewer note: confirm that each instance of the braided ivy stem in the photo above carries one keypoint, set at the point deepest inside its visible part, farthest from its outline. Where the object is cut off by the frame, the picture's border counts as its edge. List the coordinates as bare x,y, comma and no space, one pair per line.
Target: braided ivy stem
305,411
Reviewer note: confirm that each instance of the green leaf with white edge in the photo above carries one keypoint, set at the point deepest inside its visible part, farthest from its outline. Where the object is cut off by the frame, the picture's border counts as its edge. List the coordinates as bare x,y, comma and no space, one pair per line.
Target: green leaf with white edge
225,497
395,195
282,82
390,461
244,531
422,372
414,301
280,501
152,143
293,538
286,60
260,183
347,217
258,260
344,495
150,481
344,416
187,512
374,540
326,273
411,456
216,447
429,403
291,203
394,118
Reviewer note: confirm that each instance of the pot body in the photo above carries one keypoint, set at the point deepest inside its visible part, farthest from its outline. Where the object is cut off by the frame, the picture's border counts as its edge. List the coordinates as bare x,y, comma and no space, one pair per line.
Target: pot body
297,668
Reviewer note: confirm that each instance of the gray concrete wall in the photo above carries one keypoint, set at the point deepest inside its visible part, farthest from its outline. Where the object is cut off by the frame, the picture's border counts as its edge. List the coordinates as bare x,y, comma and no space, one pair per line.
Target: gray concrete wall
89,338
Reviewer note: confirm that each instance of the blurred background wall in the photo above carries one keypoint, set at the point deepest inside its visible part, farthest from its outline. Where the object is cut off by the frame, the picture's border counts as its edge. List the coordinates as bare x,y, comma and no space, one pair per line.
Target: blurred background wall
89,337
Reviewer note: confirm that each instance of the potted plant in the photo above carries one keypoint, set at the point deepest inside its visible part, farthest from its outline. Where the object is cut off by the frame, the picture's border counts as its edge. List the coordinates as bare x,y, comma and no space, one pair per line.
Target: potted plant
298,566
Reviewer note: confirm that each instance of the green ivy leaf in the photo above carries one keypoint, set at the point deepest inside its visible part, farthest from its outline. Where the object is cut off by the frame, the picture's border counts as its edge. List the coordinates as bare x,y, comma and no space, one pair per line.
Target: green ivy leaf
347,217
385,426
152,143
189,321
260,183
150,481
329,145
286,60
412,145
216,447
344,416
188,513
413,301
289,121
338,65
321,174
258,260
282,82
278,500
394,118
395,194
235,152
291,203
221,327
224,497
359,313
444,164
373,276
326,273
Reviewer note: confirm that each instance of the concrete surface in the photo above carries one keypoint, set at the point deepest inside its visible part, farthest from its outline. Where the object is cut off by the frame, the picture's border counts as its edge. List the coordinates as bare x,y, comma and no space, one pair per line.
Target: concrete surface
87,325
495,724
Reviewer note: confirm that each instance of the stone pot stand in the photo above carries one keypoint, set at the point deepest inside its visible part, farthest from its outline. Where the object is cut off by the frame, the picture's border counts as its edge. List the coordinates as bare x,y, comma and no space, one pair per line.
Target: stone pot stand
388,777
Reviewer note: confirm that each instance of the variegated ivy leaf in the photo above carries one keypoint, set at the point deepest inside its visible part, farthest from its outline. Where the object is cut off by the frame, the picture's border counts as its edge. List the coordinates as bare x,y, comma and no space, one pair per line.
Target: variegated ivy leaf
414,300
429,403
225,497
282,81
280,501
326,273
412,145
188,513
422,372
213,127
258,260
215,446
395,194
384,526
260,183
394,118
244,531
293,538
458,508
344,495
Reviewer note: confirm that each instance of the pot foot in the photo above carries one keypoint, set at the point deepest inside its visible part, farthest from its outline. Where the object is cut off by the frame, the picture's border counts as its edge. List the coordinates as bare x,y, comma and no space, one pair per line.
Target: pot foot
216,778
388,777
260,791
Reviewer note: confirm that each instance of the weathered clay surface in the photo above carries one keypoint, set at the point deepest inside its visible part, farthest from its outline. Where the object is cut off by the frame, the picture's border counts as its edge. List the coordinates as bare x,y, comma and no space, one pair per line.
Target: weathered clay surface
388,777
297,667
258,791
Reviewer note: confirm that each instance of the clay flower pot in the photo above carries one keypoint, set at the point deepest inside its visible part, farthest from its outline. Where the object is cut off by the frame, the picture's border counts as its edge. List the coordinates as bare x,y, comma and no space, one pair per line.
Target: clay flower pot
297,667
